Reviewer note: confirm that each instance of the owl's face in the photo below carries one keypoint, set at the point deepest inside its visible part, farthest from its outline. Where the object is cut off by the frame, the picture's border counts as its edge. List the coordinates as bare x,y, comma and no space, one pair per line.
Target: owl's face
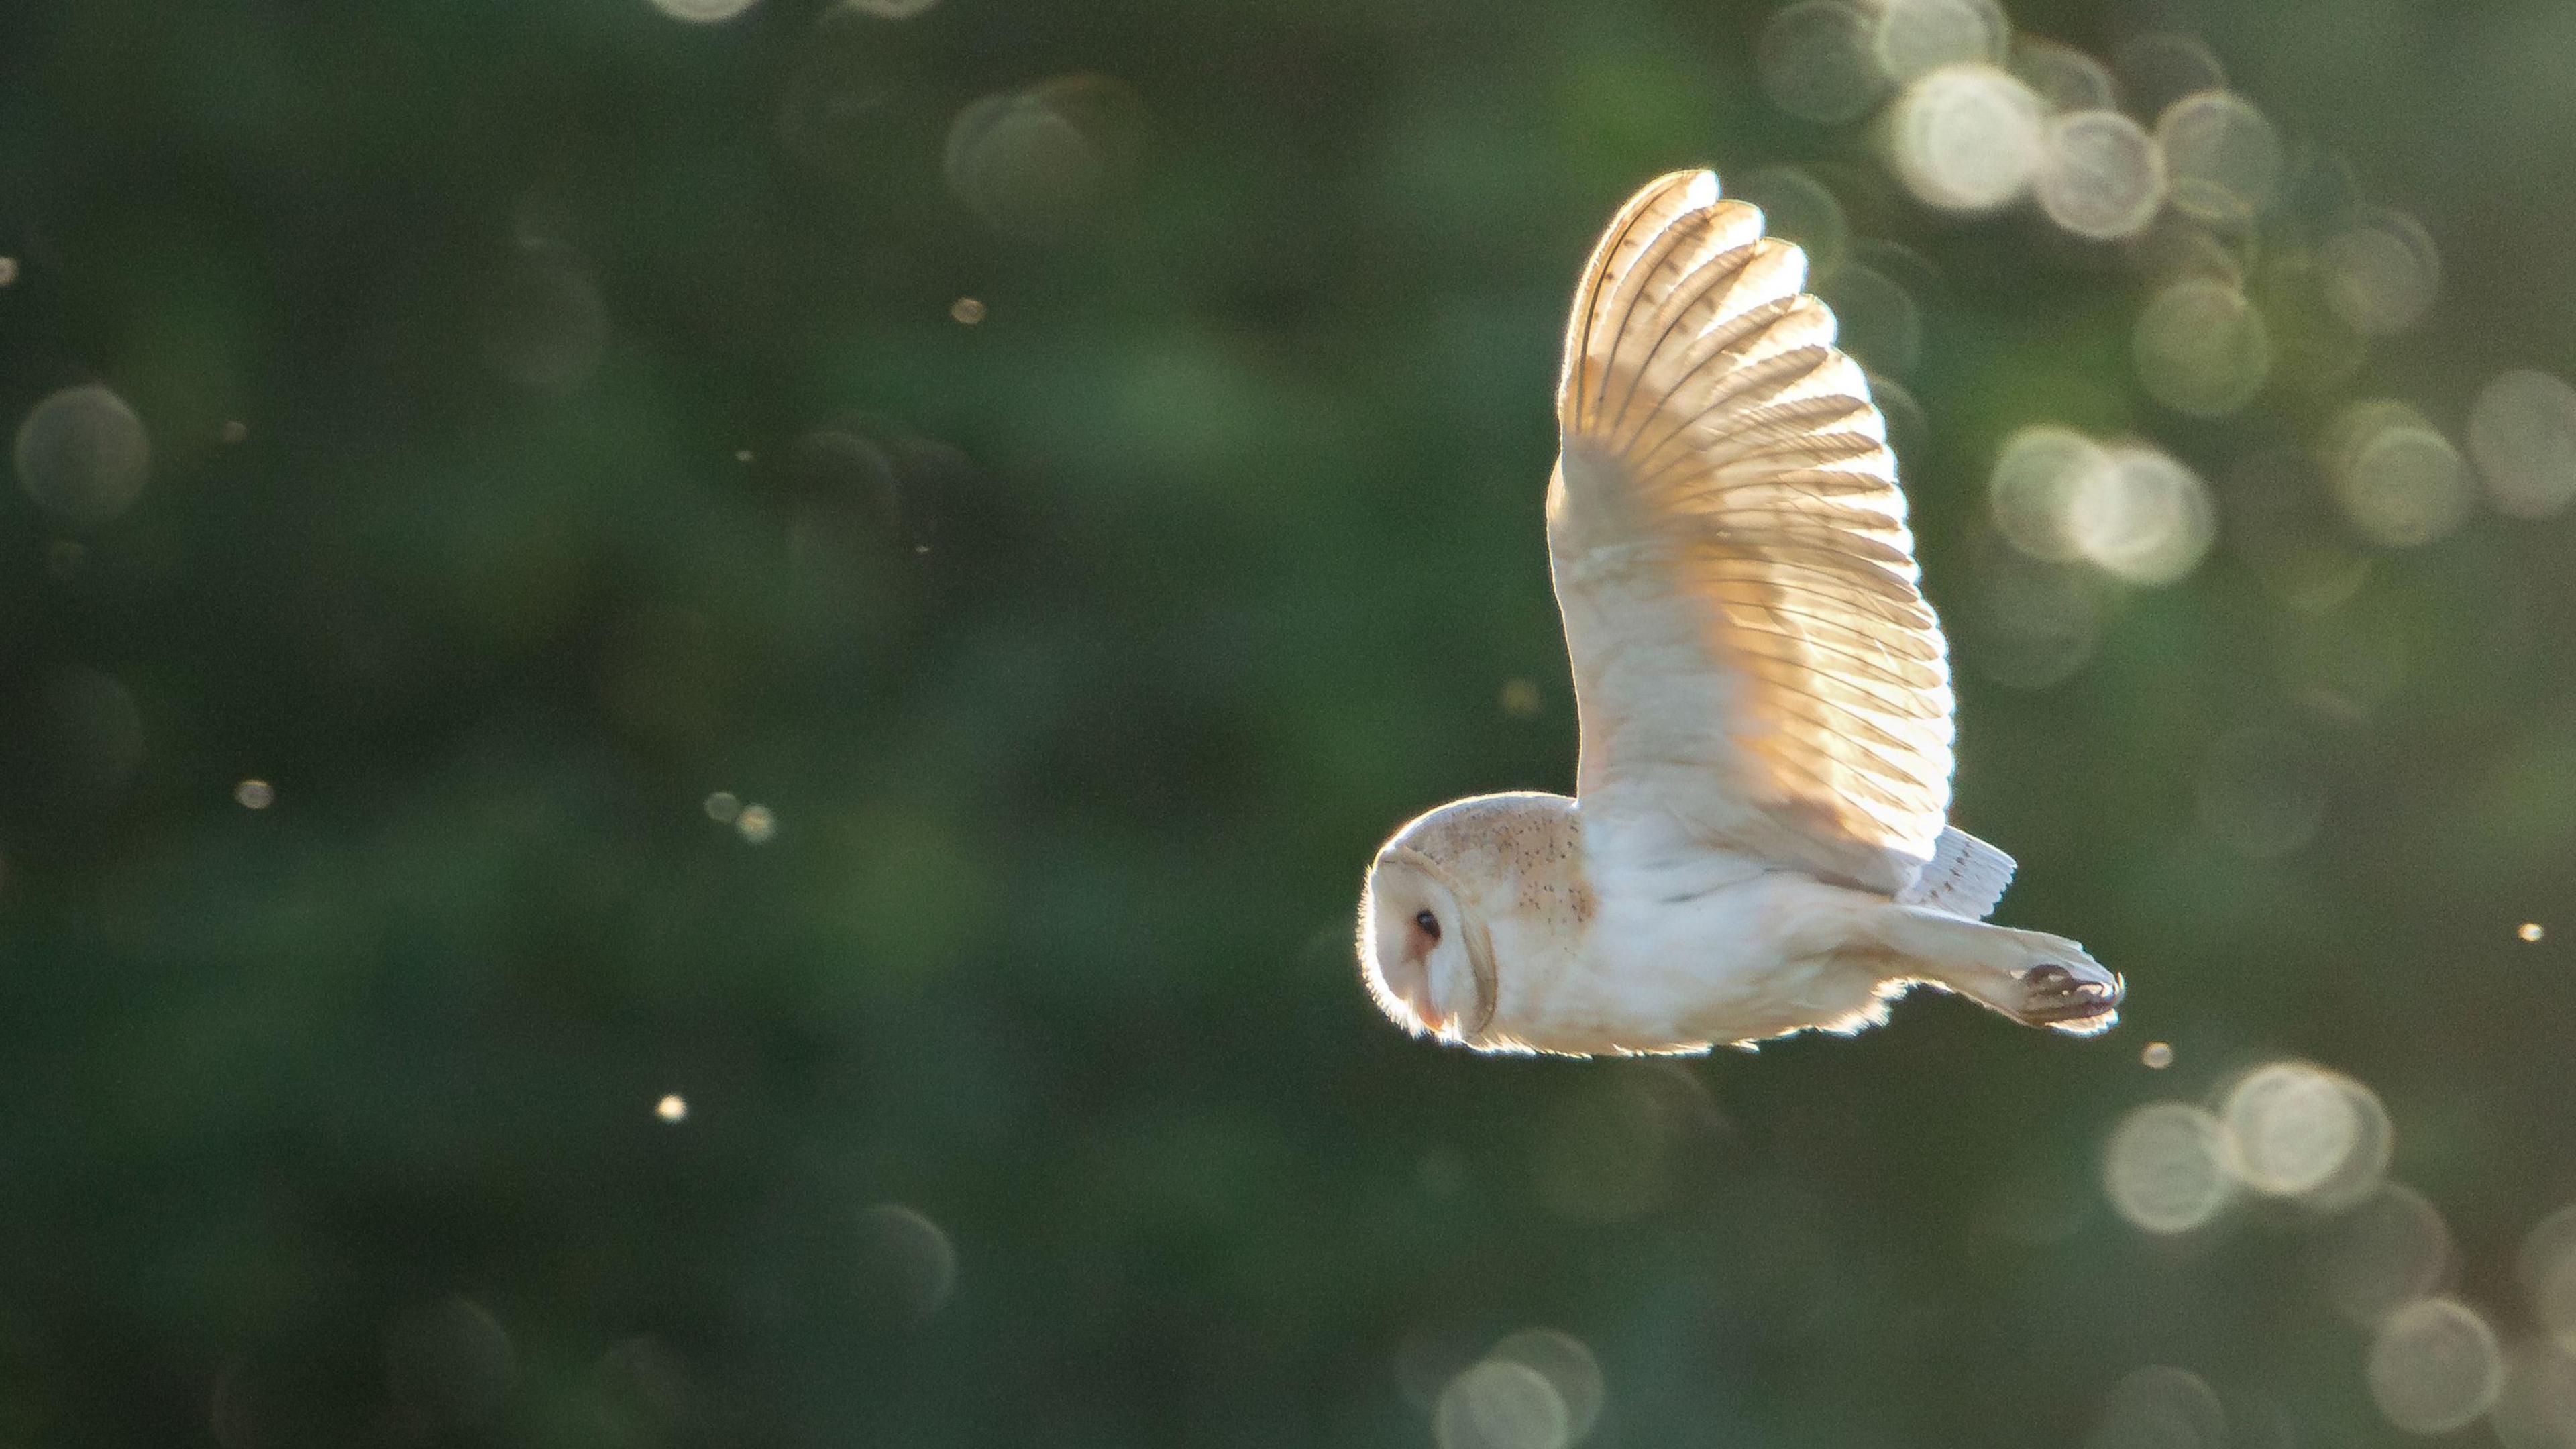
1427,955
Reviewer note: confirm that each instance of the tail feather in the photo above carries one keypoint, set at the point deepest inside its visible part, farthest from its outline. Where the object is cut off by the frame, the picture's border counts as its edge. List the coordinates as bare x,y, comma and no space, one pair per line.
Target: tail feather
1965,879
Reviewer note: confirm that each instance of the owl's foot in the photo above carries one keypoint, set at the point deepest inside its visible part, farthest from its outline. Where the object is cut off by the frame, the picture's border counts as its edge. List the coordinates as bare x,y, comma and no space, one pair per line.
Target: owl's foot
2078,997
2034,978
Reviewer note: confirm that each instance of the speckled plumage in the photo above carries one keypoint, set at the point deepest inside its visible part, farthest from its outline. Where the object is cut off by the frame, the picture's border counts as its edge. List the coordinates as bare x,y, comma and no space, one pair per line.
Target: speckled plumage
1758,844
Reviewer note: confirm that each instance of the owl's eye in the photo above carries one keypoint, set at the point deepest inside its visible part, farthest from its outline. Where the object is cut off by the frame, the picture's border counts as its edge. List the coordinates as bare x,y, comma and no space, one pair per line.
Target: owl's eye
1429,923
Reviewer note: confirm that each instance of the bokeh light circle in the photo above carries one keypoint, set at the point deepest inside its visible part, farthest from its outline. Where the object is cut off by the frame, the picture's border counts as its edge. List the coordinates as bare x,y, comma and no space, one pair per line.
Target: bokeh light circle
2381,272
2522,436
1966,137
2297,1130
2032,493
2434,1366
1568,1366
2034,625
1876,319
2146,518
1916,37
2201,348
2262,794
1815,61
1797,207
83,455
2100,174
2161,1407
1035,162
2381,1254
914,1254
2160,67
2401,484
1499,1404
2536,1409
2064,78
703,12
2163,1167
450,1361
2222,158
2546,1265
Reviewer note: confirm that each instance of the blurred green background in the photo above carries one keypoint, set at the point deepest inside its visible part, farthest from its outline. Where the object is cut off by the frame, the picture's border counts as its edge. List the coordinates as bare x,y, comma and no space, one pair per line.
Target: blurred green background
561,413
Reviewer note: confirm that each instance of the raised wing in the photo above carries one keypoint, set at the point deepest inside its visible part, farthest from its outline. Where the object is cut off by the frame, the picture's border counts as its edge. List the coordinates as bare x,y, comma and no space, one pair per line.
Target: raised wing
1754,668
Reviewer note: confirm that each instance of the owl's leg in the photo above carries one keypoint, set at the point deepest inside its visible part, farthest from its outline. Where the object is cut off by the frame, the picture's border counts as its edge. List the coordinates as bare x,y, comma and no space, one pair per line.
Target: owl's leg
2036,979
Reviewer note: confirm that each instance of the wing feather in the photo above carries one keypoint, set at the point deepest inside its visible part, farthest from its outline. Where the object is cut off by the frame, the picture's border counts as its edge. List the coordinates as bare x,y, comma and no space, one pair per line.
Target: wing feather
1753,659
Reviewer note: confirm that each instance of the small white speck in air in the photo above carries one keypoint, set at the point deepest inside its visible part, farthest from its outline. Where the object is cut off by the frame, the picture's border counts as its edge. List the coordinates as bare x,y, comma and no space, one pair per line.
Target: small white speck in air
254,794
742,455
1520,698
756,823
1966,137
967,310
8,271
2522,436
83,455
2435,1366
2531,930
1815,61
672,1108
235,432
890,9
703,12
2157,1056
2162,1168
722,807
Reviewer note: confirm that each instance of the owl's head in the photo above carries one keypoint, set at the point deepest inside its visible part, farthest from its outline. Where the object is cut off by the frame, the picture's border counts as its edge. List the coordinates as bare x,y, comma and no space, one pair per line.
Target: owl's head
1424,948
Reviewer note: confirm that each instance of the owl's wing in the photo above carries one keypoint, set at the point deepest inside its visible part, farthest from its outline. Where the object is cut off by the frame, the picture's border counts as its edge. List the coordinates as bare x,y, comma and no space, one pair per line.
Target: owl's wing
1754,668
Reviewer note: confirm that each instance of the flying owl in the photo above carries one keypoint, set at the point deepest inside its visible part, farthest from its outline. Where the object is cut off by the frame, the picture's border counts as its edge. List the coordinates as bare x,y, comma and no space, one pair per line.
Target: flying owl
1757,843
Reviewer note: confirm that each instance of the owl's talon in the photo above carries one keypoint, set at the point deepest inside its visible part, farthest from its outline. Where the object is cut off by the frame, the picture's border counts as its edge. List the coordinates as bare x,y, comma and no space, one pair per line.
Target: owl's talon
2071,996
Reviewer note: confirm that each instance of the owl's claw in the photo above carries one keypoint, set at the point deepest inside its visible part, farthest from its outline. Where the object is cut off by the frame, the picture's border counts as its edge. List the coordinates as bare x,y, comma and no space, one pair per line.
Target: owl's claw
2079,998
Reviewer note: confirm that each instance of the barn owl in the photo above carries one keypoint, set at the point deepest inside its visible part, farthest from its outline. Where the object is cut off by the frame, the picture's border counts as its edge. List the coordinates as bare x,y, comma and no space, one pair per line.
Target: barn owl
1757,844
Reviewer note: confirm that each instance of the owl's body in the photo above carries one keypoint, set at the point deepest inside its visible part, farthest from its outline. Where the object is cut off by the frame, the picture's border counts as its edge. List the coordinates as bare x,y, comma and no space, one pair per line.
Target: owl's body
1758,842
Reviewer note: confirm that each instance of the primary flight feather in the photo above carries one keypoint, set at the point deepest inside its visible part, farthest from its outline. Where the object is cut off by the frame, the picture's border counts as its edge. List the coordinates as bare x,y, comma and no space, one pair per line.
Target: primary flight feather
1758,840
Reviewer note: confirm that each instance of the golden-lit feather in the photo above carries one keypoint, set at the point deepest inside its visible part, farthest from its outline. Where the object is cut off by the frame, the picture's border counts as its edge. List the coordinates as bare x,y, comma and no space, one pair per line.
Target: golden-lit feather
1752,658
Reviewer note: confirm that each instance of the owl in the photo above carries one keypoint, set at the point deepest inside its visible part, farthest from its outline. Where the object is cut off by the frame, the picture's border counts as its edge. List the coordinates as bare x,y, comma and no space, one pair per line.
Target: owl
1757,844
